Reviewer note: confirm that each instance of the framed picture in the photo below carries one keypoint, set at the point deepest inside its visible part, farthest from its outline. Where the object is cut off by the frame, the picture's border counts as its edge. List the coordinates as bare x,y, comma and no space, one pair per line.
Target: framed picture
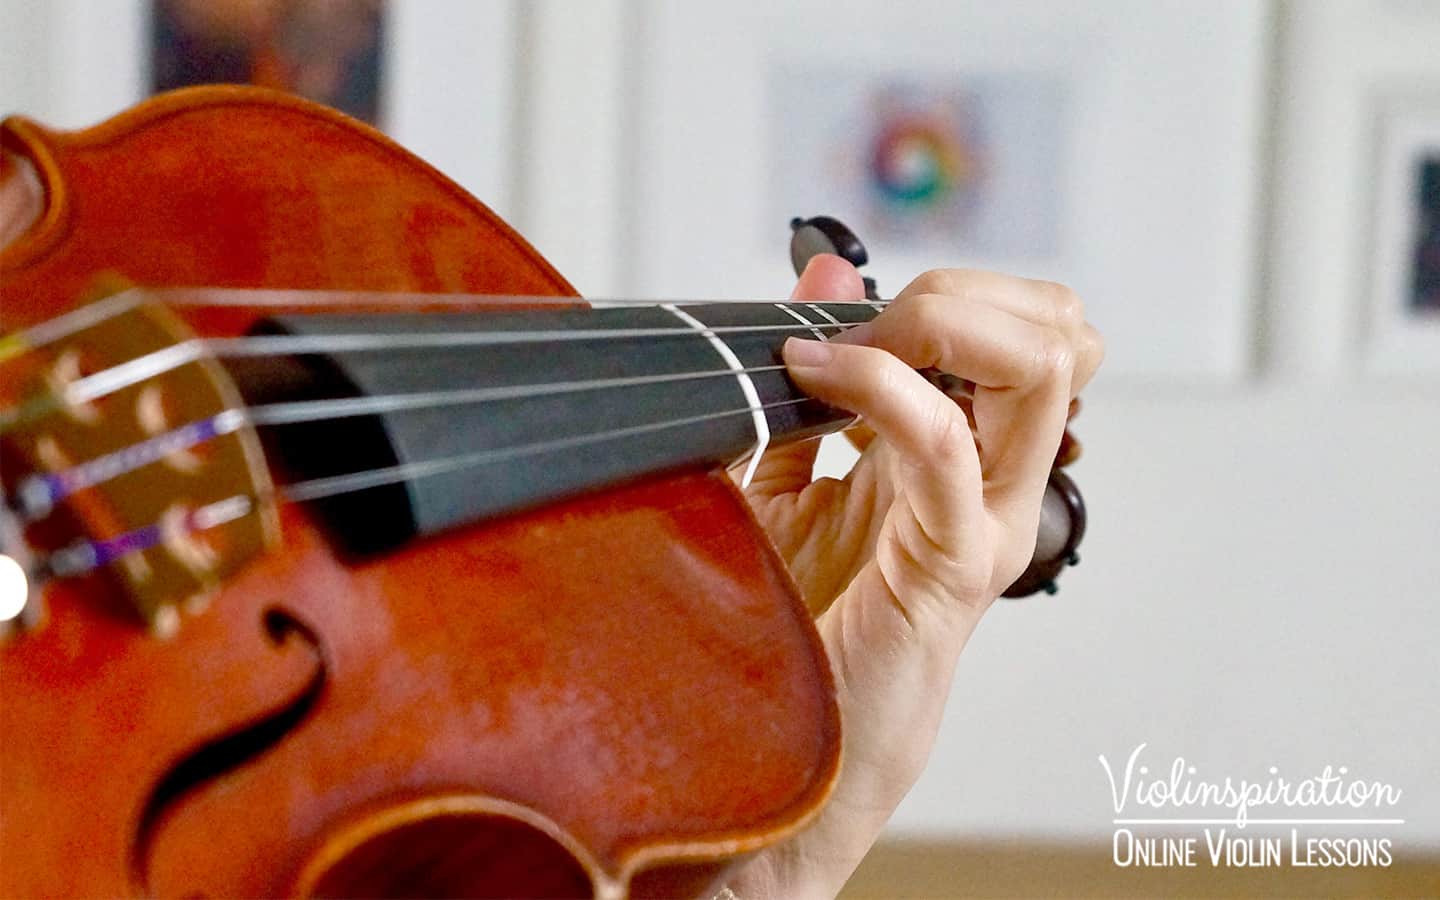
1404,327
327,51
442,83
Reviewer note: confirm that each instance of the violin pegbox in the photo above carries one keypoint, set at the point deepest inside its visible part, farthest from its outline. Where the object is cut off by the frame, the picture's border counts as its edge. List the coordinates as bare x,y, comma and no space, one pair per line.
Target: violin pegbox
132,454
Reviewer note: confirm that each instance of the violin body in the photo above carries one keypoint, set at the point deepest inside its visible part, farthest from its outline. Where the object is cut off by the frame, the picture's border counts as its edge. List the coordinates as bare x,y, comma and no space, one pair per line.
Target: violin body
619,693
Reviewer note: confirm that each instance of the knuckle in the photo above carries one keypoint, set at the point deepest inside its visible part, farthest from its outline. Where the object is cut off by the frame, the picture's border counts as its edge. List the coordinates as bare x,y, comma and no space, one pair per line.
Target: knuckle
1094,343
930,312
919,329
936,281
1065,305
1054,357
952,439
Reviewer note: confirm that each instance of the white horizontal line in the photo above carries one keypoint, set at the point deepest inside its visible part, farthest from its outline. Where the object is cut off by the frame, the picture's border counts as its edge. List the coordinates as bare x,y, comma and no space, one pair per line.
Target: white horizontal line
1259,822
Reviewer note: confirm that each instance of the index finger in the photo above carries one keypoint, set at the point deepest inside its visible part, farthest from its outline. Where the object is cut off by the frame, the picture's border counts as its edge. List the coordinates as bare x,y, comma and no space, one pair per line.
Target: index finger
1045,303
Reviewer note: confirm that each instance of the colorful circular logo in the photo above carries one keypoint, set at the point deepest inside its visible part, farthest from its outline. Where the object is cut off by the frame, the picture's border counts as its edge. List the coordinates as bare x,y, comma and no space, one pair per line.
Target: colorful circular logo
916,162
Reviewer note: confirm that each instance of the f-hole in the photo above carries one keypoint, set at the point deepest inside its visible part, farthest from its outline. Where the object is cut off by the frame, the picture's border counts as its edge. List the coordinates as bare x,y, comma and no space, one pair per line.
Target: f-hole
232,750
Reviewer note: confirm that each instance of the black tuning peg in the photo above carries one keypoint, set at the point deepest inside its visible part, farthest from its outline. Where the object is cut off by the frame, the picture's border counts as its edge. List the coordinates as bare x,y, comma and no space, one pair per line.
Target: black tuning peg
823,234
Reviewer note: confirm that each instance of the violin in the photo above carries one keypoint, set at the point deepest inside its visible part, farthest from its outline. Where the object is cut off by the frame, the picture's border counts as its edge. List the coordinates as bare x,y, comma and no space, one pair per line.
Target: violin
350,553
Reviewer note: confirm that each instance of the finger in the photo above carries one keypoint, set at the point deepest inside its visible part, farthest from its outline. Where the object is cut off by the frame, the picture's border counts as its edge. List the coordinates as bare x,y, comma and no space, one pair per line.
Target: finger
1089,348
928,430
1022,372
1042,302
961,335
791,467
1090,353
828,277
1021,432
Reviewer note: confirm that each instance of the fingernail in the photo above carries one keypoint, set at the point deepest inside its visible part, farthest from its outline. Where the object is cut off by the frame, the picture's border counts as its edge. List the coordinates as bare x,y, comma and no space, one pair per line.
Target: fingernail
804,353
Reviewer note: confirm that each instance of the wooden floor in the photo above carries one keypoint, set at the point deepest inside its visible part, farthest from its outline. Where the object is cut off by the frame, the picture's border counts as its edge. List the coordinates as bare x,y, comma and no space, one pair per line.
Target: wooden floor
904,870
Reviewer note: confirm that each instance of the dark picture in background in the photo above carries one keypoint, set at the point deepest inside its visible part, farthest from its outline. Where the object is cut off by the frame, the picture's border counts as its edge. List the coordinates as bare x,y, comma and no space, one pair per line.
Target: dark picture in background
329,51
1425,274
1402,334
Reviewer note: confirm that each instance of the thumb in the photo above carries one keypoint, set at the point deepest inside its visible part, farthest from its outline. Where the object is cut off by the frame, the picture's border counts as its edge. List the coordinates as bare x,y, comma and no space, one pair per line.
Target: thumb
828,277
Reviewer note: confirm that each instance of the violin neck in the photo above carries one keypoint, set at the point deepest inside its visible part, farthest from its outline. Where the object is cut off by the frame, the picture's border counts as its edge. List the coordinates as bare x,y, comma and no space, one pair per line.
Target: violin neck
478,415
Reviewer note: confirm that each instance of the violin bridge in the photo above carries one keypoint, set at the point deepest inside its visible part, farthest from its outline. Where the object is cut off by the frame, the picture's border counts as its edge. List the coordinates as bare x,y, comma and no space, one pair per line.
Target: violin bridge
161,483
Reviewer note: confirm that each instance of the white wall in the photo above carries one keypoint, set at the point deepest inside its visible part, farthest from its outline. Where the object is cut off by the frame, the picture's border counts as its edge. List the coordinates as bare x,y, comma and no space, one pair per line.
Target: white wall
1262,577
1261,583
1260,586
70,63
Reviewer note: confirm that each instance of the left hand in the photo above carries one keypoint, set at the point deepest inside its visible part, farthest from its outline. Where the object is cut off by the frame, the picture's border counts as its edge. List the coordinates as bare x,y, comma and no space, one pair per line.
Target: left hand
939,515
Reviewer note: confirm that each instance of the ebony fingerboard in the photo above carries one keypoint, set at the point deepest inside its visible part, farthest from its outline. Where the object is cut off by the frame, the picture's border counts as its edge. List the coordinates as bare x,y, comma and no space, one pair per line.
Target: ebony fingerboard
499,412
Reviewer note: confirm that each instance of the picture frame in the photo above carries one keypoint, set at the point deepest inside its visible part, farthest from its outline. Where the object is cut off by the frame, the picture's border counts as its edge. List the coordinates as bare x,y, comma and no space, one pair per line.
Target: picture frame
448,85
1402,333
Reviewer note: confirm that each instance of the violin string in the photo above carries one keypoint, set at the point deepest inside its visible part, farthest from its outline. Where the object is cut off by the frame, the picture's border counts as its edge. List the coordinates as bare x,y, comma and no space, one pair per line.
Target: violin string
38,494
62,326
320,488
92,314
319,410
86,554
143,368
42,492
343,301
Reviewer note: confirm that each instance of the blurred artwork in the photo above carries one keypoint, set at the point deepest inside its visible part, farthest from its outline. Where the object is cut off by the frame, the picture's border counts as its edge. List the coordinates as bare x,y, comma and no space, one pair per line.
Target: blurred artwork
1404,327
960,163
1425,273
325,50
